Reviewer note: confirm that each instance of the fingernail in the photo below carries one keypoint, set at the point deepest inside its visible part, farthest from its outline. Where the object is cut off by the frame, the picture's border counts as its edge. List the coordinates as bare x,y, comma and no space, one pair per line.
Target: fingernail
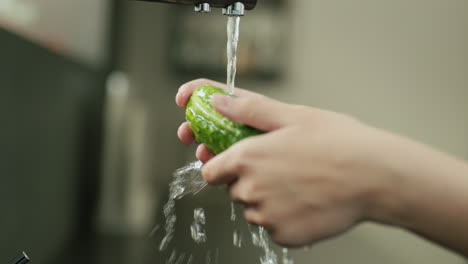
222,101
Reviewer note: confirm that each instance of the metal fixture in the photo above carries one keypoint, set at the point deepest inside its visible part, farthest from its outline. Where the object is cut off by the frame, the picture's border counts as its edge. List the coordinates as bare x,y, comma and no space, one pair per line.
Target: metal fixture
230,7
236,9
203,8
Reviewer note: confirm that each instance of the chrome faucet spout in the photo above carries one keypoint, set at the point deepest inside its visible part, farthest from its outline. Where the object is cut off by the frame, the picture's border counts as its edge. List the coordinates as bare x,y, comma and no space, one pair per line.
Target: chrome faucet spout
230,7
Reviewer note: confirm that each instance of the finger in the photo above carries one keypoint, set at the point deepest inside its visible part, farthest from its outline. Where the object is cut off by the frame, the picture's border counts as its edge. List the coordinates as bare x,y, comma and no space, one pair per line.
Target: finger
185,134
203,153
186,90
230,165
257,111
221,169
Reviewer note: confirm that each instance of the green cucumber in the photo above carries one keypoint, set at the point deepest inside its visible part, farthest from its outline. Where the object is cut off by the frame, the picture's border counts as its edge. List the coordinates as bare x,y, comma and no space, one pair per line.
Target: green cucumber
211,128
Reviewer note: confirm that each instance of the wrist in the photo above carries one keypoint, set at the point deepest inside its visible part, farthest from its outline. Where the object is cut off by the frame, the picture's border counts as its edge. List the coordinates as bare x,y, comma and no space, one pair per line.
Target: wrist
388,188
422,190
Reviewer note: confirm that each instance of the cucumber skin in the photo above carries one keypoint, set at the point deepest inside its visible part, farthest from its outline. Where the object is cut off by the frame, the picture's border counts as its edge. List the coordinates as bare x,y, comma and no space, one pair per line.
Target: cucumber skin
211,128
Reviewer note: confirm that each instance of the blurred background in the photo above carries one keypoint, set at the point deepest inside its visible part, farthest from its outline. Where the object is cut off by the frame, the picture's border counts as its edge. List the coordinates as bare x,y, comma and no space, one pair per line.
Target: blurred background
88,121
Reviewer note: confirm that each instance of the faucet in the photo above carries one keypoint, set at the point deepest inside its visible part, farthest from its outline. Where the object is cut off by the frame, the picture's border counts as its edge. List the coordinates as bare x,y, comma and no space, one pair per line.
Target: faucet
230,7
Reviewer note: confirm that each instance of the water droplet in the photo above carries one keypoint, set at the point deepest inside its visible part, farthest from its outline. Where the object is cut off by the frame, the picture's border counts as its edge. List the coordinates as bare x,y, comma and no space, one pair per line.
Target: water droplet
199,216
233,212
153,232
197,229
172,258
180,259
198,234
165,242
287,259
260,240
237,238
255,239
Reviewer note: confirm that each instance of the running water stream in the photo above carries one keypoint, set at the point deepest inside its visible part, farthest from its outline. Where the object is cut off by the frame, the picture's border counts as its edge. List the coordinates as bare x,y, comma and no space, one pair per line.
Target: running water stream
231,48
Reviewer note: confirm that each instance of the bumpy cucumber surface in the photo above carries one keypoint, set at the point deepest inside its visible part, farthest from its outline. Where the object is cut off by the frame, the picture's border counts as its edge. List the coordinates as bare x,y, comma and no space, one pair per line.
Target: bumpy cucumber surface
211,128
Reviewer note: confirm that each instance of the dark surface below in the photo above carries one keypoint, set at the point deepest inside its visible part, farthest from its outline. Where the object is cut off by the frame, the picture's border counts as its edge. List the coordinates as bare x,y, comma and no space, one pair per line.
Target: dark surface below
103,249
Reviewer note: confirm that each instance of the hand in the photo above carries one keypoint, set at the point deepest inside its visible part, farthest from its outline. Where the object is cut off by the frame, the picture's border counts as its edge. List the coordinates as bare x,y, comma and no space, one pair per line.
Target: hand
316,174
305,180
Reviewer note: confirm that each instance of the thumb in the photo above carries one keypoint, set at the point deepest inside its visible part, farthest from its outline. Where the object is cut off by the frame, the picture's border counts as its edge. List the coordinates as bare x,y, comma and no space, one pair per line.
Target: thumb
256,111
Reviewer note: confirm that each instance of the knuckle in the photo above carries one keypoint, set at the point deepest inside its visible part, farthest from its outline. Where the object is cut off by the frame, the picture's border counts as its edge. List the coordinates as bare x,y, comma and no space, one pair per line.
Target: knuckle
250,191
234,192
239,166
244,191
208,177
247,193
245,107
247,149
246,101
209,174
243,154
239,161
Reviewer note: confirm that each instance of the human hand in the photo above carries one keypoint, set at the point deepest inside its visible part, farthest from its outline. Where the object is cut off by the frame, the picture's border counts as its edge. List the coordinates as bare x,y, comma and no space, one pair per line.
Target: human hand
312,176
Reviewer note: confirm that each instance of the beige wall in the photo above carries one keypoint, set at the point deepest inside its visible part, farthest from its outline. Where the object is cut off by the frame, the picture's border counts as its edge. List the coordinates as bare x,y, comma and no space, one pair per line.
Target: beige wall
401,65
76,28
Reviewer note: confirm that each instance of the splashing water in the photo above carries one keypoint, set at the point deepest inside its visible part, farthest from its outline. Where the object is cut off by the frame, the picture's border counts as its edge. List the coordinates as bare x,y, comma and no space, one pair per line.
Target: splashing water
233,40
180,259
190,260
233,212
172,258
236,234
198,227
237,238
260,239
187,180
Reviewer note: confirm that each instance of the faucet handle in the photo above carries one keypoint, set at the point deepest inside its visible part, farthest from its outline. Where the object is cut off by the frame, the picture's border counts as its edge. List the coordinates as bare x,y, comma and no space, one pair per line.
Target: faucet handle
203,8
